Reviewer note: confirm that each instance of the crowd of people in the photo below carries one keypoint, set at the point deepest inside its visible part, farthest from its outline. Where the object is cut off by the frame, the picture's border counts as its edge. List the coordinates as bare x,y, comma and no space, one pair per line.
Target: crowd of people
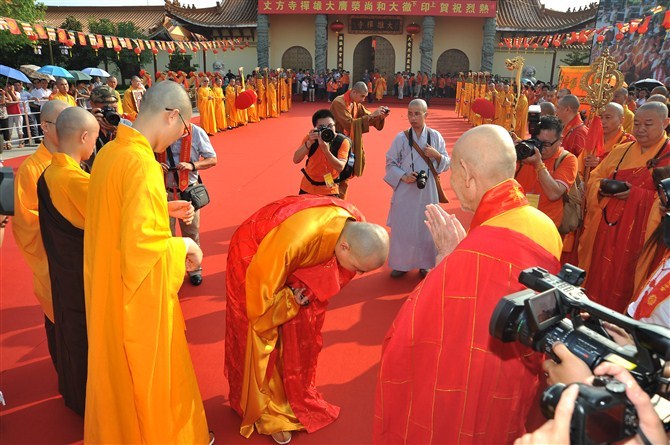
104,252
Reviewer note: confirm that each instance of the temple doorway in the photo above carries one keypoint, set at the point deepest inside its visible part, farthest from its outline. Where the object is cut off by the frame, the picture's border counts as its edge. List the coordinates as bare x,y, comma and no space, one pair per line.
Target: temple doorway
374,52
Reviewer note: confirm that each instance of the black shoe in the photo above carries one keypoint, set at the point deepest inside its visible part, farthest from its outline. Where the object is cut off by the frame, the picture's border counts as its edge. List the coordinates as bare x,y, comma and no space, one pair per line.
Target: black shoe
397,273
196,279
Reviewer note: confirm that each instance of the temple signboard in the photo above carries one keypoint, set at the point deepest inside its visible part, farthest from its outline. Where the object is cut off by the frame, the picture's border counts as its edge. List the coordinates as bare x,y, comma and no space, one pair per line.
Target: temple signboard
375,25
454,8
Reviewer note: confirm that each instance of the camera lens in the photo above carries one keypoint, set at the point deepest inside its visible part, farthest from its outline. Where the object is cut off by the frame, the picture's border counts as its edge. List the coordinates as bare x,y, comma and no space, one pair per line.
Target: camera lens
421,178
327,135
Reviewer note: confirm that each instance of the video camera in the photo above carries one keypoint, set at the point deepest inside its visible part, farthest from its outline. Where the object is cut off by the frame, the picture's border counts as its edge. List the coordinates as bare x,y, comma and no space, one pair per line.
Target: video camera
526,148
550,312
6,191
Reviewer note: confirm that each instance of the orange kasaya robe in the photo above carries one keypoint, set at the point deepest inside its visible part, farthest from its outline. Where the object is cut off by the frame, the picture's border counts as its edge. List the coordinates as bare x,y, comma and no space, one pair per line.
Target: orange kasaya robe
141,385
131,103
380,88
284,95
273,105
26,225
242,116
521,124
232,116
443,378
252,111
219,108
262,103
574,135
610,247
272,343
206,107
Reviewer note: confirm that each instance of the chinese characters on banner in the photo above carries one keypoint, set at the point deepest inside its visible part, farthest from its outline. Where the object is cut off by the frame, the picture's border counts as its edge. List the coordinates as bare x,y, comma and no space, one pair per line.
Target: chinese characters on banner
473,8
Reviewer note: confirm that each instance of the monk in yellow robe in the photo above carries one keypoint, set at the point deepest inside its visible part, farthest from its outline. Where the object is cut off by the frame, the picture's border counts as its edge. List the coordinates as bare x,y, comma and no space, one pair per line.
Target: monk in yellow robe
499,103
242,116
219,106
273,105
262,98
508,108
63,192
112,83
141,385
521,111
206,107
132,98
380,87
274,306
25,223
232,116
252,111
61,93
284,94
615,227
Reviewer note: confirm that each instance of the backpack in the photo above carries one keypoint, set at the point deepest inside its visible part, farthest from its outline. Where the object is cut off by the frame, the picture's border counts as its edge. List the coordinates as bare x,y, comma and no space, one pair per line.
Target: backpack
572,203
348,169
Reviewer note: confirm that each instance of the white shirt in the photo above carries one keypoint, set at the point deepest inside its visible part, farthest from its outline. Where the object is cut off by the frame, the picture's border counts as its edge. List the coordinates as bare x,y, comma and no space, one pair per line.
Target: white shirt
661,314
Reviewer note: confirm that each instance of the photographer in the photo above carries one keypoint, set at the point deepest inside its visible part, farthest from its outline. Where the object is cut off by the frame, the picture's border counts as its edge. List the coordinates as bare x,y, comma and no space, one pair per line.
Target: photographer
104,106
181,172
414,187
325,160
549,172
557,430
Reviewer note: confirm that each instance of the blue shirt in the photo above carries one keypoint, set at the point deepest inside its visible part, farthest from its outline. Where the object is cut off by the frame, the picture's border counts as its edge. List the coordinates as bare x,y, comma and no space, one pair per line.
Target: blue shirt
200,147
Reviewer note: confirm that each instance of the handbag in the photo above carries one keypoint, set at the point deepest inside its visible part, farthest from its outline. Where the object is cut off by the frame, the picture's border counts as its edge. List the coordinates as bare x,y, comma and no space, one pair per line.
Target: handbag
197,193
572,203
440,192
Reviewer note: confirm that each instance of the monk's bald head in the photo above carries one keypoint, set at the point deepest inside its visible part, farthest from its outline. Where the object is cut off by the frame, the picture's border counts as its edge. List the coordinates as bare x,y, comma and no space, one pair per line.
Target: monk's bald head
418,104
77,133
48,115
165,95
362,246
649,124
657,108
483,157
360,87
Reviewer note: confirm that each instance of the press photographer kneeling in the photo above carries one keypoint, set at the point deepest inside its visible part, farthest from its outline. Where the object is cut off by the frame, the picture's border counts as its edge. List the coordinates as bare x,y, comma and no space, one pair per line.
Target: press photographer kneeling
546,170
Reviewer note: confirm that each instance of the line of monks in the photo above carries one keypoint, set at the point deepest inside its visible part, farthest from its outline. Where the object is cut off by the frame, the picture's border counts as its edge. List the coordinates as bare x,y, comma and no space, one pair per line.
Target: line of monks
227,105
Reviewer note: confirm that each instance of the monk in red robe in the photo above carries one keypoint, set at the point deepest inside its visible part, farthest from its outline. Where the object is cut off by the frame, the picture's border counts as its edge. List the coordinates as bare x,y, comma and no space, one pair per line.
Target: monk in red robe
443,378
574,131
276,308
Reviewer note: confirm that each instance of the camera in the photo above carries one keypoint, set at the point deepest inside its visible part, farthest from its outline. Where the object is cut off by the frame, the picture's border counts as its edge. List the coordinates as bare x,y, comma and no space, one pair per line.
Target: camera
526,148
550,311
387,110
325,133
6,191
602,414
110,115
421,179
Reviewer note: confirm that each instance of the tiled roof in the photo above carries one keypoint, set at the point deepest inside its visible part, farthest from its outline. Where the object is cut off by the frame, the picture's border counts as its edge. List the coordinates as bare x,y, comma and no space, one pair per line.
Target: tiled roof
147,18
532,16
226,14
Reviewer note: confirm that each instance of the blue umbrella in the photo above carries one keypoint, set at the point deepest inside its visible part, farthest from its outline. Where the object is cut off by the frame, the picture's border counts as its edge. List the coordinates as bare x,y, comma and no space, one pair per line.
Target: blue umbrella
95,72
55,71
11,73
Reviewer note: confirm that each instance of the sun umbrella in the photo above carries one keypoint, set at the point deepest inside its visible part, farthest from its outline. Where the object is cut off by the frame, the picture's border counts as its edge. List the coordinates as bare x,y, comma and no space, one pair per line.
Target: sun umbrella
96,72
55,71
11,73
646,84
78,75
31,71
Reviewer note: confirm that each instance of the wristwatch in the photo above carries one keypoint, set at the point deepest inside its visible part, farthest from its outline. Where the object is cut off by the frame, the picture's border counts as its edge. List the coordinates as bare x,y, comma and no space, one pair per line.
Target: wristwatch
193,165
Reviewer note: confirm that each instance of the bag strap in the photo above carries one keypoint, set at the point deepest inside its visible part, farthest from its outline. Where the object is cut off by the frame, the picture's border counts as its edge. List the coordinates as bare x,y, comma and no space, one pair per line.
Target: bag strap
170,160
334,147
440,192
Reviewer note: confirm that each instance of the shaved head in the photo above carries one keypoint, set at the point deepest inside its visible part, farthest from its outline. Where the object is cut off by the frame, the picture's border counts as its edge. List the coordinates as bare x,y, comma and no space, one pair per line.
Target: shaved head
649,124
166,95
658,108
367,246
360,87
615,109
620,96
658,98
569,101
50,110
482,158
418,103
71,123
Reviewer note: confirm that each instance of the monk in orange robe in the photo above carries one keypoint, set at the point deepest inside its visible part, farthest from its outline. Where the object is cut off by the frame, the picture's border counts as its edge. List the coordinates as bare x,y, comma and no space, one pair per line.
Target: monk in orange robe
284,94
380,87
63,194
141,385
438,358
616,225
353,119
276,308
25,223
232,116
219,106
575,131
273,105
252,111
242,116
262,102
206,107
132,98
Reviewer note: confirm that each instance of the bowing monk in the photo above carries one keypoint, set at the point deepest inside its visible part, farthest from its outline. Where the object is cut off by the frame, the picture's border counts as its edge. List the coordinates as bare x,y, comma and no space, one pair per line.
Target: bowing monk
219,106
63,192
25,223
616,225
232,115
206,106
438,358
276,308
141,385
353,119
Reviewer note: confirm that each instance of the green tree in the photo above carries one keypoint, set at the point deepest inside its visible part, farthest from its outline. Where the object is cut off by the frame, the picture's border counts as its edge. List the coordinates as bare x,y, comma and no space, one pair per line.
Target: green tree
106,28
79,56
17,49
126,61
181,62
576,58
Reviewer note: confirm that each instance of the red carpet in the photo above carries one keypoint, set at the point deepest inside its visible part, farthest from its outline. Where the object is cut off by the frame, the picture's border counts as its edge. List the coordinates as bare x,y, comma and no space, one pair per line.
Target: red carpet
255,167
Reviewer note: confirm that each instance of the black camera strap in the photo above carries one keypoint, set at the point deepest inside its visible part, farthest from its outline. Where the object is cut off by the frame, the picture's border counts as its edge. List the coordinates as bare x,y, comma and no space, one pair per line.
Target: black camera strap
334,148
413,146
173,166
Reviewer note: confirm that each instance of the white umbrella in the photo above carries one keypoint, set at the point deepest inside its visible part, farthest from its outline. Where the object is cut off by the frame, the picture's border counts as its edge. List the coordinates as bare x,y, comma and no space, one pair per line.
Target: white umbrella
96,72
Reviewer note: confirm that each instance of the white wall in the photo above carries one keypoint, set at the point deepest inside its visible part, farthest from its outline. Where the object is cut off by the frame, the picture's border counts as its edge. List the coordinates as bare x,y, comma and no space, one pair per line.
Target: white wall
541,60
291,30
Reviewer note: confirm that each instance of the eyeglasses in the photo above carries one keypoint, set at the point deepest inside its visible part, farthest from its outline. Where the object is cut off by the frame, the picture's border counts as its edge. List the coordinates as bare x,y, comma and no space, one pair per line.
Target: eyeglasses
187,131
546,144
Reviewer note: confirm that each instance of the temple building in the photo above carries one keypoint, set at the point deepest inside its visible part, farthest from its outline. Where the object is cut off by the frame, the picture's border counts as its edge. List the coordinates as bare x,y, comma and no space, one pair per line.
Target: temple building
385,35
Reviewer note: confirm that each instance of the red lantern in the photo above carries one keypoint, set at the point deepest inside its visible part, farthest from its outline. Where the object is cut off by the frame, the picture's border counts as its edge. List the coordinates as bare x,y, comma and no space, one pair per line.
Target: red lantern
413,28
246,44
501,44
545,45
484,108
600,39
582,38
170,51
195,49
246,99
154,51
137,52
666,20
143,73
232,48
117,48
182,50
215,51
534,45
32,37
633,28
556,43
70,43
517,45
224,49
644,26
619,36
337,26
509,45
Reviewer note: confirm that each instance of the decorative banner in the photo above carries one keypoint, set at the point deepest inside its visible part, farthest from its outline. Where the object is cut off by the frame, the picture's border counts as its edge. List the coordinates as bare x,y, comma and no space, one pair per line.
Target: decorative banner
27,29
569,77
340,51
129,44
471,8
408,53
375,25
122,42
140,43
82,38
108,42
13,27
51,32
92,40
41,33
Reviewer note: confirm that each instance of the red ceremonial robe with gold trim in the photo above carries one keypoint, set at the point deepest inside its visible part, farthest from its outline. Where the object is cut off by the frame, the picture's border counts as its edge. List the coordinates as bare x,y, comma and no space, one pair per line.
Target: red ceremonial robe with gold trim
443,378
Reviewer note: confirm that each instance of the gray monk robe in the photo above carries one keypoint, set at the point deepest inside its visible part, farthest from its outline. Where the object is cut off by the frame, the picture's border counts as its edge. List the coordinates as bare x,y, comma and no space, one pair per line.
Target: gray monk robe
412,247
